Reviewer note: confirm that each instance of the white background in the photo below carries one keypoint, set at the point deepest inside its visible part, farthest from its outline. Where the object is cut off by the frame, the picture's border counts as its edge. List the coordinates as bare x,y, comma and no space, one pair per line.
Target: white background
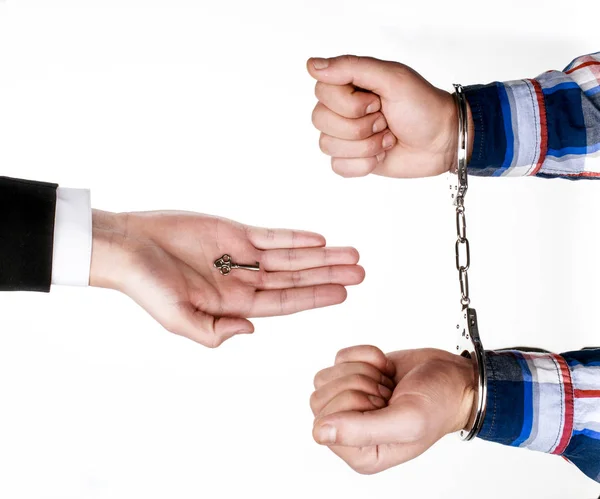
157,104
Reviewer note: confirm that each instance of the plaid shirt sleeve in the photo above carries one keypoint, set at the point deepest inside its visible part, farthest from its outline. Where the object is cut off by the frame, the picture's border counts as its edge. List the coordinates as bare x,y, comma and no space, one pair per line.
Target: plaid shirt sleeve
548,126
546,402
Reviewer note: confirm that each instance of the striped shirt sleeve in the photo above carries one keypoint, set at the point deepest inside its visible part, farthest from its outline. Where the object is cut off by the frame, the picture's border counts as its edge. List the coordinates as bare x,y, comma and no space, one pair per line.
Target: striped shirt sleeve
546,402
547,126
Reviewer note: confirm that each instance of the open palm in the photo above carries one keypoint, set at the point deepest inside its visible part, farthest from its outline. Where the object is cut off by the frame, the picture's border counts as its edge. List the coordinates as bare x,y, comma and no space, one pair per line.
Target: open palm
166,261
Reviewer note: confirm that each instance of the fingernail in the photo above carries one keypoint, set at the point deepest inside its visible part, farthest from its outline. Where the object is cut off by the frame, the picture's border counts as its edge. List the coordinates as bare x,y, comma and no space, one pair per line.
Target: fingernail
326,434
386,393
374,106
319,63
377,402
380,157
388,140
380,124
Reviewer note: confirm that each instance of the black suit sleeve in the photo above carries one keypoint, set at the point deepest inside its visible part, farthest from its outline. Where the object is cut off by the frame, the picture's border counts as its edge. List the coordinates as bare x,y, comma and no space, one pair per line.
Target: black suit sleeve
27,211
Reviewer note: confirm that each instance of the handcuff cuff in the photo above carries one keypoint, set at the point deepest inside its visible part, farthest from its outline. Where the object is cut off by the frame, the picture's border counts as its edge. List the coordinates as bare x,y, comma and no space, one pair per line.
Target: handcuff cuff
468,343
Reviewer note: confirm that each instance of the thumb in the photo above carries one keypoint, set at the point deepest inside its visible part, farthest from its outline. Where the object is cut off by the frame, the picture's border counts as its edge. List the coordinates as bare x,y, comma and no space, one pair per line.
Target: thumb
206,329
404,422
364,72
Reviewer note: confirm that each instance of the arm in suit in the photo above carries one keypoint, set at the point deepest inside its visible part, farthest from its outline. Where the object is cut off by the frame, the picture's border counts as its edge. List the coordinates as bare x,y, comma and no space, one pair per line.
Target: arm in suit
45,235
165,260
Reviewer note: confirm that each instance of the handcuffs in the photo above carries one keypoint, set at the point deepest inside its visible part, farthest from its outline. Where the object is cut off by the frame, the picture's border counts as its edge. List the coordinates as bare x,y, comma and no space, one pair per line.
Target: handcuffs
468,343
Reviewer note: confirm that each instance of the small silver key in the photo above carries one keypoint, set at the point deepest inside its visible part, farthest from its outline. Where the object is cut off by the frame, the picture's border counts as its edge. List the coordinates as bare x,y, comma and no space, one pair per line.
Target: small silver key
226,265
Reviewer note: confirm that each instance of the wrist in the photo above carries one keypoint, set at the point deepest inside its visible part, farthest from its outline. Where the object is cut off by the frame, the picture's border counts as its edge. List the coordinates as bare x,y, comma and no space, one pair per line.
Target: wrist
468,405
454,133
108,249
470,132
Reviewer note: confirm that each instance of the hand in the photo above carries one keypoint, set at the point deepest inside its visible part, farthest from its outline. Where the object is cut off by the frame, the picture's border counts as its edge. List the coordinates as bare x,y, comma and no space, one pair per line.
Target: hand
383,117
164,261
377,411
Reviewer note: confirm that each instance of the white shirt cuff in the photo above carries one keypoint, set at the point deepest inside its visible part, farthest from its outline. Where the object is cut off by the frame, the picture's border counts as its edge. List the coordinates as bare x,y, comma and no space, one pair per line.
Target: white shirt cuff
72,252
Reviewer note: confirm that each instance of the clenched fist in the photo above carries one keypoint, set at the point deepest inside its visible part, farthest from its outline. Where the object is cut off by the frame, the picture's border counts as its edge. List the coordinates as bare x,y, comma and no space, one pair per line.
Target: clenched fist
376,411
383,117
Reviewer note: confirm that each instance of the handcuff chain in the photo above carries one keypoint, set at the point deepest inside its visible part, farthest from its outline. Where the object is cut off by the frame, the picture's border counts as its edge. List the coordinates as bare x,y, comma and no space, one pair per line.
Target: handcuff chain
461,248
469,342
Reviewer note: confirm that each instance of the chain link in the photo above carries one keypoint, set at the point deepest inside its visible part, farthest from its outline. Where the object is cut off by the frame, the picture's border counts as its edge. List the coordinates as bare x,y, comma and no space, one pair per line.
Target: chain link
461,247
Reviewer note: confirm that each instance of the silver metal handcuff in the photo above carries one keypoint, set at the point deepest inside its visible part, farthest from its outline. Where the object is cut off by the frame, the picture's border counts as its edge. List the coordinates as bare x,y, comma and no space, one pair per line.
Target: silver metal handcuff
469,343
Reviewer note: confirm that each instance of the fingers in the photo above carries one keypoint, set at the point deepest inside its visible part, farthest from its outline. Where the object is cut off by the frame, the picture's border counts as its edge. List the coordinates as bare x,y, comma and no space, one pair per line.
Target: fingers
367,354
307,258
331,373
346,275
354,131
364,72
265,239
350,400
353,382
346,100
356,167
289,301
365,148
204,328
327,121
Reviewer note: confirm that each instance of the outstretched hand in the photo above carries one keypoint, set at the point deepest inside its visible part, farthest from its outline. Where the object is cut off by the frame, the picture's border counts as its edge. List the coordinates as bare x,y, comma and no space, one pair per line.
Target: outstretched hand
377,411
383,117
165,262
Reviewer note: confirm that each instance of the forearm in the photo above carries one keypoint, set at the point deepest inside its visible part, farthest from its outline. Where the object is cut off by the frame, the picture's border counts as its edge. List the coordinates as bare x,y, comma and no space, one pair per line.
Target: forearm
546,402
547,127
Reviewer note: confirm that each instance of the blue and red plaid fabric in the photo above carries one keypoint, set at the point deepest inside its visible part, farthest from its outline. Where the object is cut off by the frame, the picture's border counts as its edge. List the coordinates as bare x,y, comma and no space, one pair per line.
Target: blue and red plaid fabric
546,402
548,127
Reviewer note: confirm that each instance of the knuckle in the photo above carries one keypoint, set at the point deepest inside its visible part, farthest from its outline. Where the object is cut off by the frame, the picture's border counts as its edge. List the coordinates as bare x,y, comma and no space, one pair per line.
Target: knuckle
339,167
317,380
314,116
359,129
351,59
324,143
296,279
284,301
318,116
357,108
372,146
341,354
359,380
331,274
365,463
212,341
355,398
314,399
292,254
373,351
319,88
263,278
